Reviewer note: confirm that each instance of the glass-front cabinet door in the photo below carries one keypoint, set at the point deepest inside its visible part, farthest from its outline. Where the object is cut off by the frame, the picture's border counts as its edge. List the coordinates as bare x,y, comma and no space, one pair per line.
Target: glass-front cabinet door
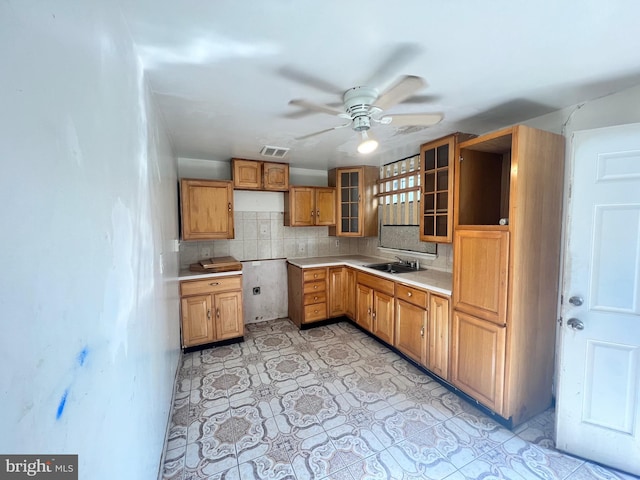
350,201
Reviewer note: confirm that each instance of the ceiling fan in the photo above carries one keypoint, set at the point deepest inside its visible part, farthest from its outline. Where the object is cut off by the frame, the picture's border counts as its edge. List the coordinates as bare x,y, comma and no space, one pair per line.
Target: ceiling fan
364,106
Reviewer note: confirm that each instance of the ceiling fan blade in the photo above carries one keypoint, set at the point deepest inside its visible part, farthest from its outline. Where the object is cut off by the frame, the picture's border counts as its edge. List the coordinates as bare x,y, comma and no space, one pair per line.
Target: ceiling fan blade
393,64
414,99
401,90
322,131
304,78
414,119
316,107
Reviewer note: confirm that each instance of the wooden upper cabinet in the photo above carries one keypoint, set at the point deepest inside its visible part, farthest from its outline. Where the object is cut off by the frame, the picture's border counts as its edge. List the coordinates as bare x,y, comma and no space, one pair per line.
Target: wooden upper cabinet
310,206
275,176
357,206
206,208
257,175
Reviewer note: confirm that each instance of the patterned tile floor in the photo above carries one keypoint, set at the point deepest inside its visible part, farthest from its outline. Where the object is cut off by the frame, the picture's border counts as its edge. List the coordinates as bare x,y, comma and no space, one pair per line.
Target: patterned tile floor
332,403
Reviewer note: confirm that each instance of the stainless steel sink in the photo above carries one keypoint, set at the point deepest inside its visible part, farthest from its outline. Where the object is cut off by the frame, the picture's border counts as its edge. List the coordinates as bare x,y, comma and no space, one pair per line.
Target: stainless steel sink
392,267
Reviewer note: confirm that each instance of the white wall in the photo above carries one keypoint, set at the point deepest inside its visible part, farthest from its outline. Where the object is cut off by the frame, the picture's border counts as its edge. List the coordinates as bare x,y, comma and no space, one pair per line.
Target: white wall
90,337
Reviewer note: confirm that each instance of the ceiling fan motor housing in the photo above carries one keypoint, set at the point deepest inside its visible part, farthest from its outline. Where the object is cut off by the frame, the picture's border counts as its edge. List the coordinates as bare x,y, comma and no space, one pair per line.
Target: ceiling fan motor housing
357,102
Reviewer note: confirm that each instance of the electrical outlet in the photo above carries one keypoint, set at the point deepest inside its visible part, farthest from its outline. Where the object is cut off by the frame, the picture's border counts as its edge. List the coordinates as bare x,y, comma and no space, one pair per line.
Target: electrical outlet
256,290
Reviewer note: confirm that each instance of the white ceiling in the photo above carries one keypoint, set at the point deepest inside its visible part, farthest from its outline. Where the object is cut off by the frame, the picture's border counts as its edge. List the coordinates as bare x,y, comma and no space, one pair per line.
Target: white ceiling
218,69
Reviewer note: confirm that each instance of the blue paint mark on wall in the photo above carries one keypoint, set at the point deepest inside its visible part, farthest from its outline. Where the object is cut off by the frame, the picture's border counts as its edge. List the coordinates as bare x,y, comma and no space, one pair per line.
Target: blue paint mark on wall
63,402
82,356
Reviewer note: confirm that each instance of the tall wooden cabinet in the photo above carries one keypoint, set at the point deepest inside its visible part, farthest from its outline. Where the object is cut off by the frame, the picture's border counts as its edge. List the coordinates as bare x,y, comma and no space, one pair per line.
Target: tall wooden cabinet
508,197
211,310
310,206
357,206
206,208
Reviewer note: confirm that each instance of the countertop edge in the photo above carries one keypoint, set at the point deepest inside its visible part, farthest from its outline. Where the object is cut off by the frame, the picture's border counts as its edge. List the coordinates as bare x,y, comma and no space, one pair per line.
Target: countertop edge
189,275
357,261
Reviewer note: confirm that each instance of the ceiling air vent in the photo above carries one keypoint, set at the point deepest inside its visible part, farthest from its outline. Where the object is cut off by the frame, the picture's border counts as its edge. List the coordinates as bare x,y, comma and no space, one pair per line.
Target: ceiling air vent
273,152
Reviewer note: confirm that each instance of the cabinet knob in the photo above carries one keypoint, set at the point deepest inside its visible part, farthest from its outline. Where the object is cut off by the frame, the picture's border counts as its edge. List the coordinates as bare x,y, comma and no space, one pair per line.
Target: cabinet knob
315,298
318,213
229,207
409,294
422,331
209,314
312,213
315,287
214,284
217,312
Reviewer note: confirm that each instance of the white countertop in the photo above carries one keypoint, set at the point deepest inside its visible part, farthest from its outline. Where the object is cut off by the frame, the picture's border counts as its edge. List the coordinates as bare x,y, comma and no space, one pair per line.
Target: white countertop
434,280
186,274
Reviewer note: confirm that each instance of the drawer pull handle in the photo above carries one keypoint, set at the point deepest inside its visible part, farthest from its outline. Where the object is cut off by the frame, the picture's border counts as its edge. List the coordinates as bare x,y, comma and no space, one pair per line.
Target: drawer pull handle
217,312
229,206
422,331
209,314
409,294
214,284
315,298
315,287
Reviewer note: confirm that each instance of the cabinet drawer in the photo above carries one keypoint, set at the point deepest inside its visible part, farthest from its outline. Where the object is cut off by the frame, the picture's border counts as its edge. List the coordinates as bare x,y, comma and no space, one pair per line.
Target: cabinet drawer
412,295
311,287
210,285
316,297
317,311
311,274
377,283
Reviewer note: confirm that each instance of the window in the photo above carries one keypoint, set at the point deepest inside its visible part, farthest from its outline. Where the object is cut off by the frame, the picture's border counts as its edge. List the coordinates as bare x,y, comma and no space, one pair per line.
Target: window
399,192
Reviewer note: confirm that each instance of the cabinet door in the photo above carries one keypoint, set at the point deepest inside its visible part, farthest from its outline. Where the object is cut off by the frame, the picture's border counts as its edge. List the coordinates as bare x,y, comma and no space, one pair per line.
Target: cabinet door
275,176
350,293
349,195
207,209
438,338
302,206
364,306
337,291
383,316
478,359
247,174
411,326
197,323
325,206
480,273
229,321
436,170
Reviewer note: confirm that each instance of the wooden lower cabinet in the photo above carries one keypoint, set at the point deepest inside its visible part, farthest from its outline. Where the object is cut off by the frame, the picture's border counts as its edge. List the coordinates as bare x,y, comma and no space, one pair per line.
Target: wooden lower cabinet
478,359
364,306
307,289
350,293
411,325
337,291
375,305
422,328
437,359
211,310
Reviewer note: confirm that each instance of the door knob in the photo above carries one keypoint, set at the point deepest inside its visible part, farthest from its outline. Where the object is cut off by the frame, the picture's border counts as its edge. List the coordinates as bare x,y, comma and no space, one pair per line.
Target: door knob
575,324
576,300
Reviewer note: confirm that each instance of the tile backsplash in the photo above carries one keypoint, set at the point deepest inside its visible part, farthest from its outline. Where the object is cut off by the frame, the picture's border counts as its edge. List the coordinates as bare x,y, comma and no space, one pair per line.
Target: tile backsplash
262,235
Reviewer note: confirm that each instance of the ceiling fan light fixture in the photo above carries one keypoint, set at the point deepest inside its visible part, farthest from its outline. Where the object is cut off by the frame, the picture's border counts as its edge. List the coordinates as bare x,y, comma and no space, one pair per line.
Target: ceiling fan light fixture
367,145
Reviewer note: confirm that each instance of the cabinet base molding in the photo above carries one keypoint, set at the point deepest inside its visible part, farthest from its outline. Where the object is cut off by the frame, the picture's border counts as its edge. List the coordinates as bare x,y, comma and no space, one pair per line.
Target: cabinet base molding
204,346
322,323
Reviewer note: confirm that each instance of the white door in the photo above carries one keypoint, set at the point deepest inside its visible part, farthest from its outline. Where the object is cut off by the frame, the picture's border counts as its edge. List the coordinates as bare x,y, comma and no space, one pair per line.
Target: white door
598,409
